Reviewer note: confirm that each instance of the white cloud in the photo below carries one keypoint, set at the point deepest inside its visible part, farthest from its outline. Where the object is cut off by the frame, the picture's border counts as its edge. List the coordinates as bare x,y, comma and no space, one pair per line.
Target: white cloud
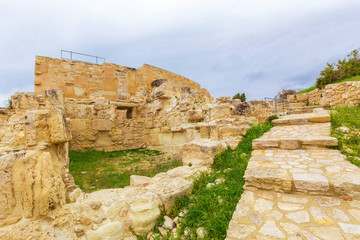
257,47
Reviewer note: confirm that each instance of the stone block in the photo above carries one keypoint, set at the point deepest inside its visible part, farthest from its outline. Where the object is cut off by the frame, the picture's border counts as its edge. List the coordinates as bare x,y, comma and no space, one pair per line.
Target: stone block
102,124
139,181
320,118
310,182
289,143
321,141
270,179
302,97
200,152
265,143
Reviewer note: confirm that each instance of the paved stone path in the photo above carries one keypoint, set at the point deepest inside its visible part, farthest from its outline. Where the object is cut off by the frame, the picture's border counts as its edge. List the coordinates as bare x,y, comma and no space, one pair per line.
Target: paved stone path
296,188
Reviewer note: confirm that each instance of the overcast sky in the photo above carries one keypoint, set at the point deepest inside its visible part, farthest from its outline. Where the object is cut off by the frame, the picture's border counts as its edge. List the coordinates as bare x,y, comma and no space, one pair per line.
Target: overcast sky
254,46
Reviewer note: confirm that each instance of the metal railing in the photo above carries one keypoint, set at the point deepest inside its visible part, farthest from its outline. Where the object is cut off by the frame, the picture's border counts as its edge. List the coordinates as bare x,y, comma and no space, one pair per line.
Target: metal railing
72,54
276,99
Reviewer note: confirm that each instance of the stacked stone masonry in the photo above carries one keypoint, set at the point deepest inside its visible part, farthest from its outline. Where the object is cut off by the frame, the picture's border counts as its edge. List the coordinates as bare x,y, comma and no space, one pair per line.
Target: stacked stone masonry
106,107
294,191
331,94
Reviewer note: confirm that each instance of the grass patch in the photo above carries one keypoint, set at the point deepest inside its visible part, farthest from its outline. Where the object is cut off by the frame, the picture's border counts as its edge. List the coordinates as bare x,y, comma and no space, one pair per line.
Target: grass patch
312,88
93,170
349,139
212,207
350,79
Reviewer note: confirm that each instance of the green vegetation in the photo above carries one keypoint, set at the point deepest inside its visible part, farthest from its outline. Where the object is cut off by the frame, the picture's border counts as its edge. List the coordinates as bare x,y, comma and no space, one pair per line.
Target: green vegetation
242,97
306,90
343,69
211,207
94,170
345,126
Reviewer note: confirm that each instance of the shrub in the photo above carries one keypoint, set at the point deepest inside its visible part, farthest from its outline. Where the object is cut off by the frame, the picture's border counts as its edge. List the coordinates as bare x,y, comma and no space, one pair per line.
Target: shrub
285,92
242,97
334,72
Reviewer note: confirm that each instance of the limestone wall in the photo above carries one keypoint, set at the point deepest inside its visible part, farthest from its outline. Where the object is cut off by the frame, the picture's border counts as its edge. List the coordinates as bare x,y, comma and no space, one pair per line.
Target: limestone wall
104,124
113,82
331,94
34,178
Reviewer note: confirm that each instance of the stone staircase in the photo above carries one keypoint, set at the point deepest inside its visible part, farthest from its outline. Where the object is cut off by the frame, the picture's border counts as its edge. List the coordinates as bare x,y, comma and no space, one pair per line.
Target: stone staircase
296,187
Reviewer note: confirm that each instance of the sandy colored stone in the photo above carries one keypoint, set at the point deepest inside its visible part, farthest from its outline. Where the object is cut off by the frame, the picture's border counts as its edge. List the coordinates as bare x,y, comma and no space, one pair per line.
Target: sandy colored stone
139,181
340,215
310,182
320,216
353,229
262,205
270,229
200,152
290,228
298,217
110,231
290,206
239,231
327,201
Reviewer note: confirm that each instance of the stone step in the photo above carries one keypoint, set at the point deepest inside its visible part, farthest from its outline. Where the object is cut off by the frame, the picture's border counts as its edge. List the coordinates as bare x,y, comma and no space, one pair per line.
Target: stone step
270,215
298,104
322,172
305,109
300,119
295,143
316,135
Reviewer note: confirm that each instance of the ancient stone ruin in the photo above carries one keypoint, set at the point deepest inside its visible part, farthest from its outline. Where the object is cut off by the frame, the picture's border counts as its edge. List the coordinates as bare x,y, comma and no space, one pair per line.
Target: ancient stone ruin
80,106
296,187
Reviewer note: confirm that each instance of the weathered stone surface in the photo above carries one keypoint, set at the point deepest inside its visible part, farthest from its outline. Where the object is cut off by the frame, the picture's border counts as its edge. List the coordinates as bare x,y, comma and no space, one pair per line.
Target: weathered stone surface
310,182
298,217
110,231
290,206
262,205
353,229
272,179
289,143
239,231
270,229
200,152
320,216
290,228
139,181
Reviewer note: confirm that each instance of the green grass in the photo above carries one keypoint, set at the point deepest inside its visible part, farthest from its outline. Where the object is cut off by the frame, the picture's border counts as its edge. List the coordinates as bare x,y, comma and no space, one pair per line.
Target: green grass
212,208
93,170
351,79
349,142
307,90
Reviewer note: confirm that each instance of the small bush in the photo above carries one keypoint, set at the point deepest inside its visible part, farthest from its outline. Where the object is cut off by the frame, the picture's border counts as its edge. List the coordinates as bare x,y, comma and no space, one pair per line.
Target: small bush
335,72
242,97
285,92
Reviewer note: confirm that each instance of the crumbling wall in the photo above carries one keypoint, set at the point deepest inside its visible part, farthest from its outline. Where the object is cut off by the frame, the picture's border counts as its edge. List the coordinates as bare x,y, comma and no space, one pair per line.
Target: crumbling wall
104,124
34,158
83,80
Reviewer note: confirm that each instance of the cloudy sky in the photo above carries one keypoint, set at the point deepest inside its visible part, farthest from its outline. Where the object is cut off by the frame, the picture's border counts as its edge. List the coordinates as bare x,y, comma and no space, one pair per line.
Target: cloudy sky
254,46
